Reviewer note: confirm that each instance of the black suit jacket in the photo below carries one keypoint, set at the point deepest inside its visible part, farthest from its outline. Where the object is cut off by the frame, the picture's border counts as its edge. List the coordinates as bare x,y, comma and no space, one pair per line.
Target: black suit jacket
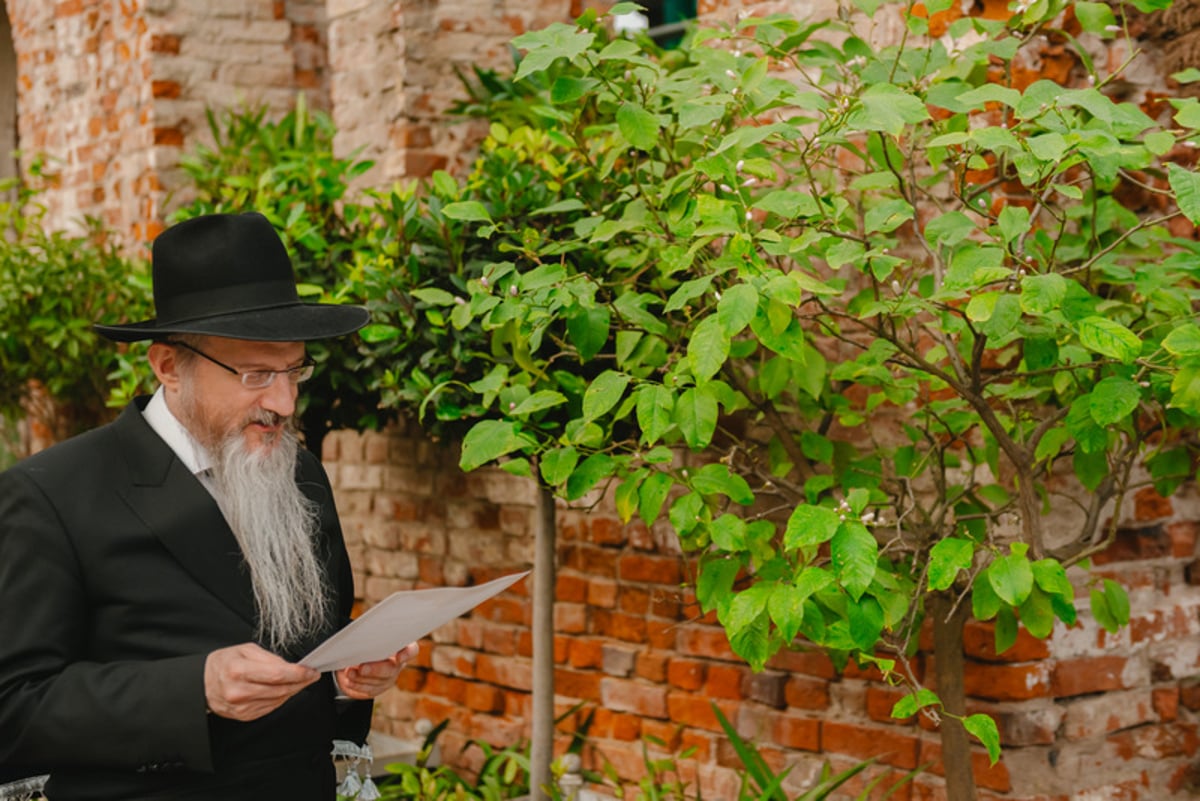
118,575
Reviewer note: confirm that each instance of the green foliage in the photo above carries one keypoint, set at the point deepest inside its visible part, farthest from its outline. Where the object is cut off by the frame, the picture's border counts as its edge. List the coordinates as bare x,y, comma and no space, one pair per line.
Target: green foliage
53,286
880,295
504,774
286,170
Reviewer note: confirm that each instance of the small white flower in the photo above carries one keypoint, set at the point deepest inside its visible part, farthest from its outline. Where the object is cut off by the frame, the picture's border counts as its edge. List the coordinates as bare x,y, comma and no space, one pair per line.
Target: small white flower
512,405
751,181
731,74
749,216
741,163
717,294
896,287
512,290
1113,28
483,282
726,188
733,91
460,301
628,75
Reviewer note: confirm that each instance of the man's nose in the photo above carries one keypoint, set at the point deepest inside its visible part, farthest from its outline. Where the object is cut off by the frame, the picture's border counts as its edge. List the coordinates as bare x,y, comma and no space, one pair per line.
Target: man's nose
280,397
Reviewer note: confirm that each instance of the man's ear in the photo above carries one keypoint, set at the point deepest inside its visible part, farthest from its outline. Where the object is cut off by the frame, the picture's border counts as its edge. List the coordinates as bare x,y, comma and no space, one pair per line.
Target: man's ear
164,360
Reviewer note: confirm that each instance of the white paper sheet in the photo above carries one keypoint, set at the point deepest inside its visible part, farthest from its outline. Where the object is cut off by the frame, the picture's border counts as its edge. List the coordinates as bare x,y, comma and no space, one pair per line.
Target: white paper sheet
399,619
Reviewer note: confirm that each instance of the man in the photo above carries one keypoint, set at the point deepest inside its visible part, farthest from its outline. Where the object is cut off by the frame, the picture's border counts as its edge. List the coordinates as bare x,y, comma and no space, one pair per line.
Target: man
161,575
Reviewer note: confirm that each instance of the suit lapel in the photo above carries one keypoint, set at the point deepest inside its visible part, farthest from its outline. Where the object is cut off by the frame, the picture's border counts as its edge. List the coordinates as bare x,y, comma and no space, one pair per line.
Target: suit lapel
182,514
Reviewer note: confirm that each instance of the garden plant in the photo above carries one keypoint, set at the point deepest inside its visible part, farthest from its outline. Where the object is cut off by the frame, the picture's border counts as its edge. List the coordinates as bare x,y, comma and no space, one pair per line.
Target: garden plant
854,304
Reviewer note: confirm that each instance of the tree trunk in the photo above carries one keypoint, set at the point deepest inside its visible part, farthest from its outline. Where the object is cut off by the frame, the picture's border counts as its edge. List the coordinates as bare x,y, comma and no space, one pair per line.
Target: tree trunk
948,624
541,752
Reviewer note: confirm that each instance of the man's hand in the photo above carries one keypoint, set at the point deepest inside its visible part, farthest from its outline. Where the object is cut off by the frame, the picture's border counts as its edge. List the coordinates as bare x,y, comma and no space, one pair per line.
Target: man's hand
245,682
371,679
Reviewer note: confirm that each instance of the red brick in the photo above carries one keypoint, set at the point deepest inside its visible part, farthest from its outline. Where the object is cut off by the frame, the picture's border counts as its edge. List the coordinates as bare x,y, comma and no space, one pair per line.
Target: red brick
411,679
622,695
504,610
1167,703
651,569
1149,505
164,43
602,592
1149,542
570,618
1163,741
724,681
803,692
707,641
792,731
979,642
881,701
652,665
697,711
169,137
508,672
571,589
1007,682
585,653
1184,535
484,697
987,775
626,727
583,685
810,663
634,601
663,733
1088,675
766,687
688,674
619,625
662,634
865,742
607,531
448,687
1189,695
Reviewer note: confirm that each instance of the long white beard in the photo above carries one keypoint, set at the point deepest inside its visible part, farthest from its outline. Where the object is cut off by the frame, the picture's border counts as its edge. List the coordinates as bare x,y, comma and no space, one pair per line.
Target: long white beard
276,526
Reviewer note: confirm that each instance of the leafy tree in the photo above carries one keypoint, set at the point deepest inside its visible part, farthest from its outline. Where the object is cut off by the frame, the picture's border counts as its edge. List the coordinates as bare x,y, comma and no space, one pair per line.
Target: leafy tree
286,170
53,286
854,317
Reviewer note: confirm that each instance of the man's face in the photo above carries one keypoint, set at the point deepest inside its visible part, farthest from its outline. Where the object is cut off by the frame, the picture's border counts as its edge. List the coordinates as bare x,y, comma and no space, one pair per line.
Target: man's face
217,404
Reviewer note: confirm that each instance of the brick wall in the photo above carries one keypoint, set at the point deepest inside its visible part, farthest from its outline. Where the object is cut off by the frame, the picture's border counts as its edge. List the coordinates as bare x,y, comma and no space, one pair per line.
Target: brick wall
1113,715
114,90
391,102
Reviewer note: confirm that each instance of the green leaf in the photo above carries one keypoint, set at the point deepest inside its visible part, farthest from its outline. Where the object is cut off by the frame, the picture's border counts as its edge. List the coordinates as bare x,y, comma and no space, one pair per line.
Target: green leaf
715,478
557,464
696,415
786,609
949,229
467,211
603,393
434,296
984,601
545,46
708,349
1114,399
789,204
1183,341
910,704
810,525
1041,294
947,557
981,306
1095,18
1011,577
652,494
543,399
715,582
1051,443
728,533
488,440
638,126
1110,606
1006,629
887,216
1109,338
736,308
984,729
886,107
1037,614
655,405
1186,185
1090,468
594,468
587,329
855,555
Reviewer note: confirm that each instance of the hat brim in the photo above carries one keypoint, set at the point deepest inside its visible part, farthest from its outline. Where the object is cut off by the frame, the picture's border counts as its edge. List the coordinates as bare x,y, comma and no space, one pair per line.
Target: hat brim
300,322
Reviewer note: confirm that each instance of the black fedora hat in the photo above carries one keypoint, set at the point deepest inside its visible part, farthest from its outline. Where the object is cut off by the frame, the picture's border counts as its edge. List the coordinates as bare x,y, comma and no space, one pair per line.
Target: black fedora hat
229,275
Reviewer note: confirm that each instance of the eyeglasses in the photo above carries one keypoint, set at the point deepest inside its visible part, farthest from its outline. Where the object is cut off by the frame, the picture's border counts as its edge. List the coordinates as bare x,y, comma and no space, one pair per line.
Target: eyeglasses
257,379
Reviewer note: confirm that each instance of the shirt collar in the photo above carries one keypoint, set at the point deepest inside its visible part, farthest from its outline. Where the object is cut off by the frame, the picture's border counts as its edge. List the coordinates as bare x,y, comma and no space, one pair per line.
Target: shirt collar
194,456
